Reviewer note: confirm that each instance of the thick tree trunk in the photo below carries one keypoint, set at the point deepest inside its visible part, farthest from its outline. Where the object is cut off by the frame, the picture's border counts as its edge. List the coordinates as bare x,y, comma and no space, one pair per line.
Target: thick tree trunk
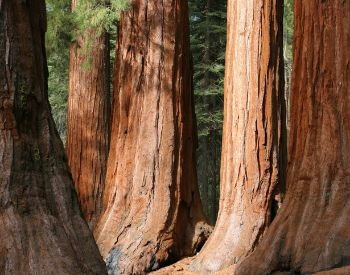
153,213
311,232
42,230
88,125
253,153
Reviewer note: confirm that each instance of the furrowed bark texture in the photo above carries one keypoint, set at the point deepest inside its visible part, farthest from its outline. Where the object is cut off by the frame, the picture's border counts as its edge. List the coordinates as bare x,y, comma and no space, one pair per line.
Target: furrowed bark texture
253,152
311,232
88,125
153,213
42,230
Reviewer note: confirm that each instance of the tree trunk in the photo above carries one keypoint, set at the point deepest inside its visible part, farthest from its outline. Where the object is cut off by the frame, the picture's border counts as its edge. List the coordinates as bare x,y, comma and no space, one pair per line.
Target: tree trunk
203,172
203,179
88,125
42,230
152,210
253,153
311,232
213,194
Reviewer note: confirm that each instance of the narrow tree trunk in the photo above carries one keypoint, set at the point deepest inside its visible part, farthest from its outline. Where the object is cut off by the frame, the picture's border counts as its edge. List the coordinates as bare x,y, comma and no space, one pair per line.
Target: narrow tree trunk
42,230
252,165
311,233
88,125
213,186
153,213
203,177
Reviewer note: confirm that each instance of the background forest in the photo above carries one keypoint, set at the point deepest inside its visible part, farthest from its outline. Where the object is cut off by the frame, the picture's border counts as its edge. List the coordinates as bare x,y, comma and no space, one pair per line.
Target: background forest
208,37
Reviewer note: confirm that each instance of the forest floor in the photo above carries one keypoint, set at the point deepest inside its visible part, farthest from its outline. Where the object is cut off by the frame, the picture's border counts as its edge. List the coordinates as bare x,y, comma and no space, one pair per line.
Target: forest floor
182,268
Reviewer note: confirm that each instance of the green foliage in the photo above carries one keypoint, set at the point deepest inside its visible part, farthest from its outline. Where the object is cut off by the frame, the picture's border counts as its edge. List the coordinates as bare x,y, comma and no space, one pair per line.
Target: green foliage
60,22
288,29
58,39
57,84
208,39
97,15
64,27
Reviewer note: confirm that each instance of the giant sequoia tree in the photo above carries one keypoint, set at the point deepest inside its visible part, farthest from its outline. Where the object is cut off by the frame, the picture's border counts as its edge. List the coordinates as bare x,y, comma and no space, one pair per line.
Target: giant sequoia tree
88,123
311,232
253,152
42,230
152,211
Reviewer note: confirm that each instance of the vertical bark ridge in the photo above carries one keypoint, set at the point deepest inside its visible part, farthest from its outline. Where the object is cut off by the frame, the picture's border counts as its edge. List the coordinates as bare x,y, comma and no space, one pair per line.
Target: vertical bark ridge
252,164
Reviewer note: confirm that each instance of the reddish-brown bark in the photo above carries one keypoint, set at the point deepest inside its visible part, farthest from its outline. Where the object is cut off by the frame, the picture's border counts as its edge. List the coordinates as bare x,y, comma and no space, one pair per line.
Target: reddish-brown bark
311,232
88,125
152,211
253,152
42,230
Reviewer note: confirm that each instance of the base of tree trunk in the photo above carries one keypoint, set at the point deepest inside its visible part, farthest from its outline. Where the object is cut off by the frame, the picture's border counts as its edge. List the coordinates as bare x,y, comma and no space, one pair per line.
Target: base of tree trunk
152,213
